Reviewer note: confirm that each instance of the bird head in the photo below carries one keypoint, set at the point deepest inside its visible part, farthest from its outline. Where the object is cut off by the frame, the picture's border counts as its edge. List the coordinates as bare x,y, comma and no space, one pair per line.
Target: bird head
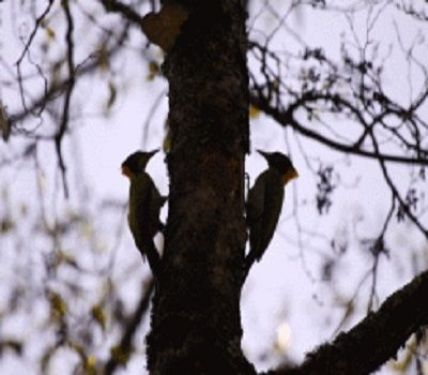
281,163
136,162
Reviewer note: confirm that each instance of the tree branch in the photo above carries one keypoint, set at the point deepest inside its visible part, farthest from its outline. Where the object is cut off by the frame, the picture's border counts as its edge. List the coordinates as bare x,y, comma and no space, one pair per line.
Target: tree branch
125,10
375,339
286,118
121,353
81,70
69,90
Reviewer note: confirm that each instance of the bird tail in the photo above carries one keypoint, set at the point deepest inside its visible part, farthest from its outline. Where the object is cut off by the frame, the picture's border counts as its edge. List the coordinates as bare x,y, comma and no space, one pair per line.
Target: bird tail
149,250
251,258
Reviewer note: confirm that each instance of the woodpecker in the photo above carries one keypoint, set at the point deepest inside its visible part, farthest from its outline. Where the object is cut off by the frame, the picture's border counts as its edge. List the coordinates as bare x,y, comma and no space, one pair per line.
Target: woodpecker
264,203
145,203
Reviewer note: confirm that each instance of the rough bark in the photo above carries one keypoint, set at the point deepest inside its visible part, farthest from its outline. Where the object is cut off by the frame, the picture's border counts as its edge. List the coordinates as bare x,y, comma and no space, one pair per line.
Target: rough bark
196,327
375,339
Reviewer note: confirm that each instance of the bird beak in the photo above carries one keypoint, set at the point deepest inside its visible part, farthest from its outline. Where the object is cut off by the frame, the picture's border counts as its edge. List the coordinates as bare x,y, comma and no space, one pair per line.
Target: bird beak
126,171
291,174
151,153
263,153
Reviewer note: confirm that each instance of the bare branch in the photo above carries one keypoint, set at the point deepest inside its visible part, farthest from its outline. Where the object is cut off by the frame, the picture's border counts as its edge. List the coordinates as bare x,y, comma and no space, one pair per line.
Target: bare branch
81,70
124,348
69,90
375,339
286,118
125,10
39,21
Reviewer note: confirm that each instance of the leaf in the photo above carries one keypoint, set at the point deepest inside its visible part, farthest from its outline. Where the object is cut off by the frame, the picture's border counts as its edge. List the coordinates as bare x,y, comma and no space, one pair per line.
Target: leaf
254,112
89,365
99,315
64,257
13,345
89,362
50,33
154,70
5,126
47,356
166,145
120,354
103,57
58,306
406,360
112,94
6,225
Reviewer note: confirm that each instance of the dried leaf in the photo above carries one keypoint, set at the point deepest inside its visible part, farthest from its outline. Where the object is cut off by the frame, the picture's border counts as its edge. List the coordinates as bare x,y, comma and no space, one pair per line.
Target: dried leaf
50,33
103,58
58,306
112,94
5,126
99,315
13,345
166,145
6,225
254,112
89,365
154,70
120,354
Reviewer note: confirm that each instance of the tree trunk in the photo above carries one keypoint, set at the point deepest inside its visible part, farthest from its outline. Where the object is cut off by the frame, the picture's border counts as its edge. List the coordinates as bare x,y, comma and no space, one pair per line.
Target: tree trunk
196,326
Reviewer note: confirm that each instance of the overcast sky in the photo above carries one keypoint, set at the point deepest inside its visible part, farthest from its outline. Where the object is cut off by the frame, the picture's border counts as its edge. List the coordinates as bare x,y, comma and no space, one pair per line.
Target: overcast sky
285,290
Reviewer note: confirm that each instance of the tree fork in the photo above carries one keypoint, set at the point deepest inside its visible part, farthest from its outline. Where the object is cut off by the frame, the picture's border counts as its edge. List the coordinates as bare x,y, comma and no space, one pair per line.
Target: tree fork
196,325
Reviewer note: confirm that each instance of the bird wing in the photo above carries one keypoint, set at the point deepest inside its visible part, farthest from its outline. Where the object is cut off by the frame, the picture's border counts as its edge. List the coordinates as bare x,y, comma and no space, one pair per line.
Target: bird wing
140,208
255,207
144,206
274,196
263,210
256,197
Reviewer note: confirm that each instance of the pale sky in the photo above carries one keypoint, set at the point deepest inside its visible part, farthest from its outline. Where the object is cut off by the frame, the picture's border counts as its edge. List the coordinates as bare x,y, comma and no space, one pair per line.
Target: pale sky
285,289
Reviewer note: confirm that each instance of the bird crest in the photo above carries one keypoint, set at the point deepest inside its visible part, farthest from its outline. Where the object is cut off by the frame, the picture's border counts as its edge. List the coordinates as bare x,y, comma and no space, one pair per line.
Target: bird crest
136,162
280,163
